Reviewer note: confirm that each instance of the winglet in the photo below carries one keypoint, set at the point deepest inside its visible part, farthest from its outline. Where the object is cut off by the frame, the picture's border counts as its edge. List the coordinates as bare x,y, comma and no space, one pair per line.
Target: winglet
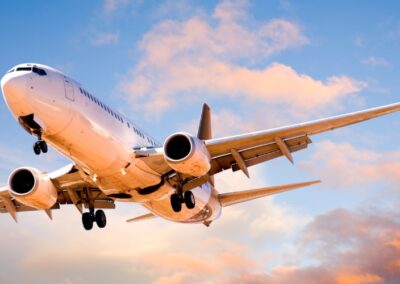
205,132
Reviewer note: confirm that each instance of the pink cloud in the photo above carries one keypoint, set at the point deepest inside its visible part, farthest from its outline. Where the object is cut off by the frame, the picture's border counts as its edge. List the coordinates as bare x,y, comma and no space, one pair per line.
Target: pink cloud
216,57
341,165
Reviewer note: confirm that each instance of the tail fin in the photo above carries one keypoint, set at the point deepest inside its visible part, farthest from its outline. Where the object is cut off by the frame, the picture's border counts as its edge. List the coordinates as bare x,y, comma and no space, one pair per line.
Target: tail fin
205,129
231,198
204,132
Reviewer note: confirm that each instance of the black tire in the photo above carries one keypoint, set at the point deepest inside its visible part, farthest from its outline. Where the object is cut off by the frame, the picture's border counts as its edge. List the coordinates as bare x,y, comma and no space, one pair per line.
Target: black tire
43,146
189,199
176,203
36,148
101,219
87,221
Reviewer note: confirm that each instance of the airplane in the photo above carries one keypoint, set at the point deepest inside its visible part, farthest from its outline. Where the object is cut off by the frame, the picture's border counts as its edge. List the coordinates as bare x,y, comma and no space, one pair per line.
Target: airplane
114,160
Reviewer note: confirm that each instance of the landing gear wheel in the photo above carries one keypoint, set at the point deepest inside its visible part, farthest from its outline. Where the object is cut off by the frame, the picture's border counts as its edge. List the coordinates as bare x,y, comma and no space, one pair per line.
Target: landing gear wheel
176,202
43,146
40,146
101,219
189,199
87,221
36,148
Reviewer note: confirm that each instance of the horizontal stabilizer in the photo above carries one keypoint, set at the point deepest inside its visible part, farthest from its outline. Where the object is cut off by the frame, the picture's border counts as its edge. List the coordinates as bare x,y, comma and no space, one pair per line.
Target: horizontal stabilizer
142,217
231,198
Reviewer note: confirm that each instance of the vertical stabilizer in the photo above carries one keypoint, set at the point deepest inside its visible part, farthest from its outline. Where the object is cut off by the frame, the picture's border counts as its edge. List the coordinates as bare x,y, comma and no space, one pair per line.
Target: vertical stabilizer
205,131
205,124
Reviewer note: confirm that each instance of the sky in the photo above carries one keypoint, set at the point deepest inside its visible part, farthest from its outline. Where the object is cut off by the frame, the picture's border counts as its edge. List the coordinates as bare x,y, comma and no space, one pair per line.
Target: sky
258,64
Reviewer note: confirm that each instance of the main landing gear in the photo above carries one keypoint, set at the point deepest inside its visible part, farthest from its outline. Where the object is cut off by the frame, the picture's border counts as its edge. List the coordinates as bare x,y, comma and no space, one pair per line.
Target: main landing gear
40,146
178,198
88,218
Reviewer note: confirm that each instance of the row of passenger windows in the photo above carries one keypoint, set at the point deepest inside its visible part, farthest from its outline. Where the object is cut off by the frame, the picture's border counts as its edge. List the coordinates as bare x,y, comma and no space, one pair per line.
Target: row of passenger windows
99,103
114,114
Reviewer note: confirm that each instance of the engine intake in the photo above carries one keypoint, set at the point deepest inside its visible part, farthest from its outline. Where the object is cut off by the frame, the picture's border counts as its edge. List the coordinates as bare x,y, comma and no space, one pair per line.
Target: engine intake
32,188
187,154
22,182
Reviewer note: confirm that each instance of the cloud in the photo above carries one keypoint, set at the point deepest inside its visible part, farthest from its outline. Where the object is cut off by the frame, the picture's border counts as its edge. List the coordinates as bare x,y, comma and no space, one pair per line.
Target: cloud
225,56
110,6
351,247
375,61
224,123
358,41
104,39
341,165
122,252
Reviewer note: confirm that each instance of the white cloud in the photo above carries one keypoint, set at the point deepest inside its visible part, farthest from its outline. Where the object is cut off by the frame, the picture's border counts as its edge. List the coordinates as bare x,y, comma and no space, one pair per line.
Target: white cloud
358,41
375,61
104,38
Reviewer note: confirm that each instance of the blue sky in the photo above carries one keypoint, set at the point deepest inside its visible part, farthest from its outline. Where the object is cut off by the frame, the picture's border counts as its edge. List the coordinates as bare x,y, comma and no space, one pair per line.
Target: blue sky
258,64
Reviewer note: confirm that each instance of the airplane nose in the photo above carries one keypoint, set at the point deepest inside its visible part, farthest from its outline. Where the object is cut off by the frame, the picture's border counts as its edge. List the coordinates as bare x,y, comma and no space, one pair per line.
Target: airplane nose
14,87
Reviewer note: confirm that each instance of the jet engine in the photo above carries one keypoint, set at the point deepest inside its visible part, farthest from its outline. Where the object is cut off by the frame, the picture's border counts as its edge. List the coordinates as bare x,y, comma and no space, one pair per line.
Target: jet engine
32,188
187,154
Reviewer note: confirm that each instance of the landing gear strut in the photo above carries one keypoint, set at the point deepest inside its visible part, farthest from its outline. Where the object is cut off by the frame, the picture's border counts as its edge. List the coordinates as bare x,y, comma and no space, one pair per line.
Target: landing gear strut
89,218
40,146
178,198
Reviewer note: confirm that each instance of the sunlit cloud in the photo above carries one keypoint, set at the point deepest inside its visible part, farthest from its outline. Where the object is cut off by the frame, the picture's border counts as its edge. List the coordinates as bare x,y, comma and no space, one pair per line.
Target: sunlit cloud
174,252
224,56
341,165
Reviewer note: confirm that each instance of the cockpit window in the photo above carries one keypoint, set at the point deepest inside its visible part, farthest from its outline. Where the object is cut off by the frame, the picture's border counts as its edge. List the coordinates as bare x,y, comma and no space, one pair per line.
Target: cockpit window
39,71
36,70
12,70
24,69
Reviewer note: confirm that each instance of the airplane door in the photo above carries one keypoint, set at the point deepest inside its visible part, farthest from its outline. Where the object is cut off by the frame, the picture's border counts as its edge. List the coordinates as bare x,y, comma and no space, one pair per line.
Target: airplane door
69,90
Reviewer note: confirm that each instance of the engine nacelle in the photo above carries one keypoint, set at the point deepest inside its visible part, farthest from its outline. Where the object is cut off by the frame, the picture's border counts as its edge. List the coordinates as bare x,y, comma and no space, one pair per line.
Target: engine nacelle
32,188
187,154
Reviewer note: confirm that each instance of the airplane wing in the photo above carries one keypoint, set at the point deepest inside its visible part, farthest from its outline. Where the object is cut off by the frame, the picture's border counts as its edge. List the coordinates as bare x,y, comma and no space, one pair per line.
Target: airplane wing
242,151
72,187
227,199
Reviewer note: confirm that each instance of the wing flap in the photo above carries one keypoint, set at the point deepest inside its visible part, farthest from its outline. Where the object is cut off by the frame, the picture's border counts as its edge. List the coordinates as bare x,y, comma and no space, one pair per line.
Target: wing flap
259,154
227,199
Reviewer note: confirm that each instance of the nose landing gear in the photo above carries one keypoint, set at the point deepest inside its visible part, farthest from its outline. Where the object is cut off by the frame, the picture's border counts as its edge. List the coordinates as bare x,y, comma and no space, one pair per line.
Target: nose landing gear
40,146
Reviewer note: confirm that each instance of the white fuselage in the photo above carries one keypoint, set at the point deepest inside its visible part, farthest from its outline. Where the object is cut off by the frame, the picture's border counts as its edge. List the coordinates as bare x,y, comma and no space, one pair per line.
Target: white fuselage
99,140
